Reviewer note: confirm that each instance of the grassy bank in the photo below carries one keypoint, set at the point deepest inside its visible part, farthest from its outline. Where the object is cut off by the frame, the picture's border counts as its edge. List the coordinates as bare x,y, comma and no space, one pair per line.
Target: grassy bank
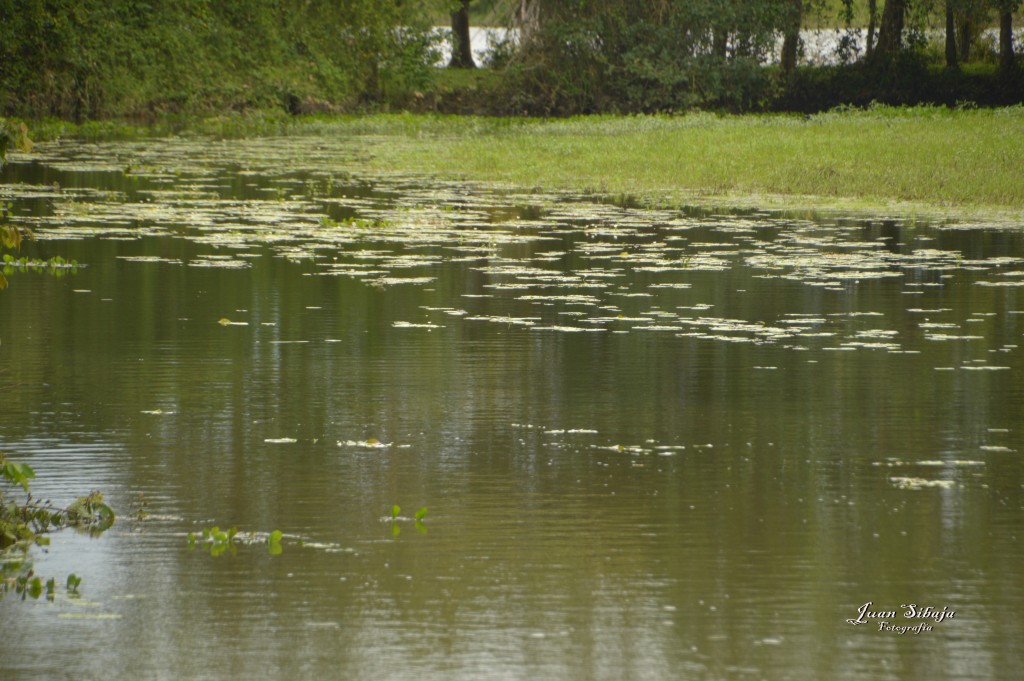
931,159
927,157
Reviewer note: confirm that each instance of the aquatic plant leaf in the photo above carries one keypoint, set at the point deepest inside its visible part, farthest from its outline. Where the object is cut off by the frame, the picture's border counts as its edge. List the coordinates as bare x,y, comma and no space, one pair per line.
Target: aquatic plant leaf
17,473
73,582
274,543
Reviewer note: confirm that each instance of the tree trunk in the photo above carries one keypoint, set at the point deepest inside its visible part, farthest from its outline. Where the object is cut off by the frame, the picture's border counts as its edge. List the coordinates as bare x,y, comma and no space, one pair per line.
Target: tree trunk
462,49
791,40
872,25
528,14
964,29
719,42
951,61
1006,58
890,33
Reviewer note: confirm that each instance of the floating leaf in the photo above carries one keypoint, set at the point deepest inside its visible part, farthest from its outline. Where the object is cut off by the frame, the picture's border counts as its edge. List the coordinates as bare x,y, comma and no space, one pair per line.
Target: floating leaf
274,543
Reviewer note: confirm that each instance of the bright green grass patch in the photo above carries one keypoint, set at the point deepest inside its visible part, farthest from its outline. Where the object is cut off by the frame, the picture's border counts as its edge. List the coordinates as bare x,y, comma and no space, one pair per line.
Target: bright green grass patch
926,156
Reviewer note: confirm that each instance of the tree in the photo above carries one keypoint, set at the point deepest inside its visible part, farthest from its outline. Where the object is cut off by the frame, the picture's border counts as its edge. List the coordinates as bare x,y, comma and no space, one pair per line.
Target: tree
791,39
1007,61
951,55
462,49
890,33
872,26
528,18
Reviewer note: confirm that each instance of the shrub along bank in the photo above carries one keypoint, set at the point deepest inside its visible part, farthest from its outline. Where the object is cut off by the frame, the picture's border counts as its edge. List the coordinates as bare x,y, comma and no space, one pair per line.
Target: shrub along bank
90,59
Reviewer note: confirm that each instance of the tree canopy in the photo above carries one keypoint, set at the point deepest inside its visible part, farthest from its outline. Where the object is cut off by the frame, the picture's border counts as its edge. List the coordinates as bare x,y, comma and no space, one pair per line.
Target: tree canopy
90,58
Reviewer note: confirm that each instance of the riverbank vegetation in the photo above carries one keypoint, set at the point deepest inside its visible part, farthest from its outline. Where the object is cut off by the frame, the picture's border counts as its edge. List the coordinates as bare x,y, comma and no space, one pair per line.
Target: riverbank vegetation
290,67
922,159
877,157
89,59
931,159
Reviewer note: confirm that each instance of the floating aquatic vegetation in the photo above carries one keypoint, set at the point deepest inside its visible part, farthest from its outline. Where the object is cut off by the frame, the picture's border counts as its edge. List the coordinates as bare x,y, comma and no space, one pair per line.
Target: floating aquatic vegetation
222,262
396,281
566,299
508,320
892,347
369,443
220,541
413,325
932,463
565,329
912,483
631,268
149,258
634,450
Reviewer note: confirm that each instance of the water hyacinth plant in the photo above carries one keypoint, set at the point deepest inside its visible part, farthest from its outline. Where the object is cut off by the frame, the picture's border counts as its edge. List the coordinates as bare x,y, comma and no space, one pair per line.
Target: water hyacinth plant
27,524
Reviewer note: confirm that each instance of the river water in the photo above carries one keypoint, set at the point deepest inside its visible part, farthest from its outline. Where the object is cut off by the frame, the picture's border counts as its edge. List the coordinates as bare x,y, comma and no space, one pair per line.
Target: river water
651,444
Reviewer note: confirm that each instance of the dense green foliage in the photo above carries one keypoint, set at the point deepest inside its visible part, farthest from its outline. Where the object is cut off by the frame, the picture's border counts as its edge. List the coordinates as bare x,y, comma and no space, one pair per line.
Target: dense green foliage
90,58
671,55
617,55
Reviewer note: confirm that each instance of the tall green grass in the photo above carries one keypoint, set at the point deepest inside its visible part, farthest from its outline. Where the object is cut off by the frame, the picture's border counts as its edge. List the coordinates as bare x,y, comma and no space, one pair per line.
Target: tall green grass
883,155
